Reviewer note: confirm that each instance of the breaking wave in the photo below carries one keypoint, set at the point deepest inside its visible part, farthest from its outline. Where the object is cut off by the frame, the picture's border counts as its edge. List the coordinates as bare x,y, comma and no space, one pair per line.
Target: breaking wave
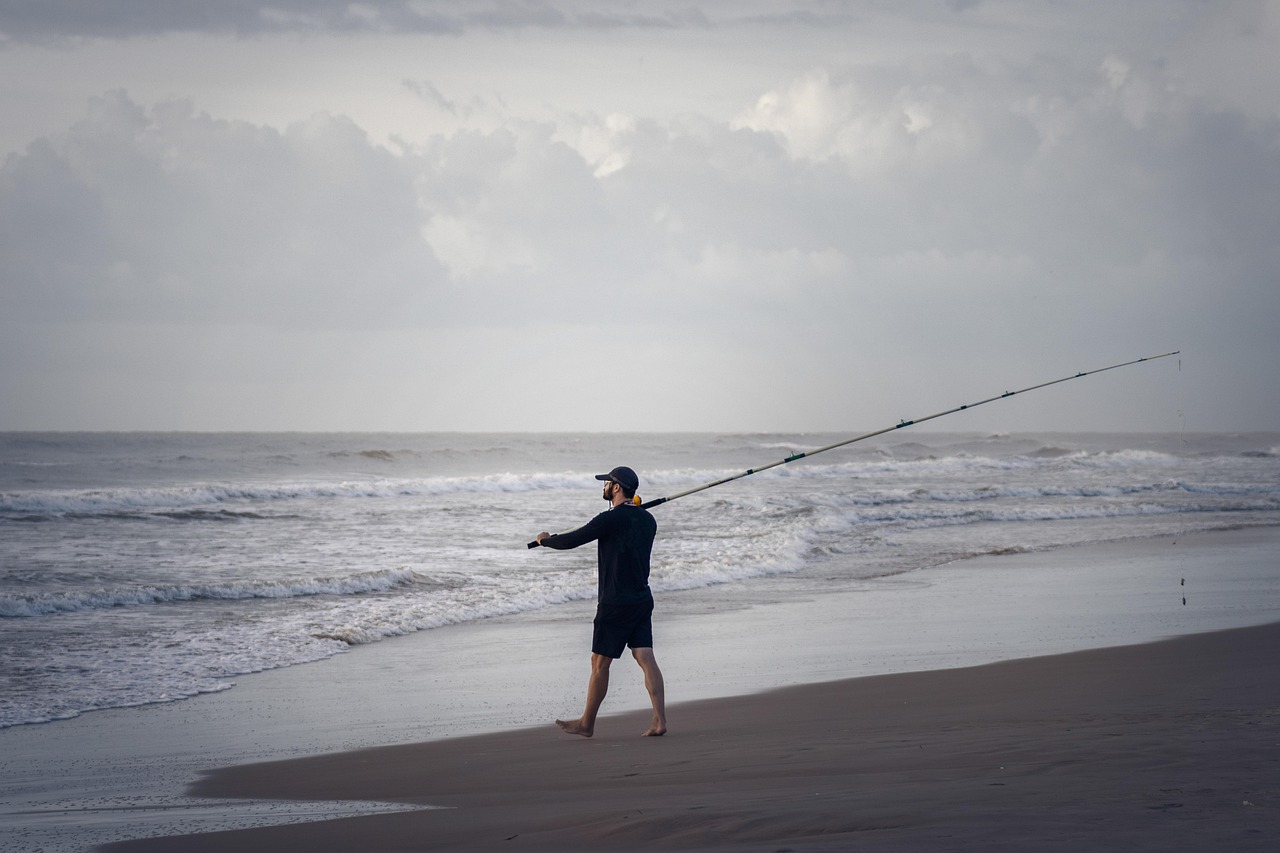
50,603
217,501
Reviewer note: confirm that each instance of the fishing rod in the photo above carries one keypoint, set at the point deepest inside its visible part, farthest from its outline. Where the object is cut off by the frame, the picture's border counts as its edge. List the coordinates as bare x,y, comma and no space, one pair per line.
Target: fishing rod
897,426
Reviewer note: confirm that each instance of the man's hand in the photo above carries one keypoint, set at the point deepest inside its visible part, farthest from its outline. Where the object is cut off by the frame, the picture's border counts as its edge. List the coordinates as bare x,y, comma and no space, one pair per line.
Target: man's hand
543,535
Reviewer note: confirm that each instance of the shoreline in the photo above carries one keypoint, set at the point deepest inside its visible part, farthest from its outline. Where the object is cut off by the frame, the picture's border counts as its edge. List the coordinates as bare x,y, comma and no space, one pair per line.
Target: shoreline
1167,745
113,775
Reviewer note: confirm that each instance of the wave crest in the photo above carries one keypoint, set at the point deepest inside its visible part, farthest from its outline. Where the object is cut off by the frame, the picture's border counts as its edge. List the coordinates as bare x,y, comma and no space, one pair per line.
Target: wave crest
47,604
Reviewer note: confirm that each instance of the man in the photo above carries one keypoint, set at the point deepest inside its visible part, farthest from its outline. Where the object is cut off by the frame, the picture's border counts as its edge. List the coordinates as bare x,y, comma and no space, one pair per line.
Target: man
624,604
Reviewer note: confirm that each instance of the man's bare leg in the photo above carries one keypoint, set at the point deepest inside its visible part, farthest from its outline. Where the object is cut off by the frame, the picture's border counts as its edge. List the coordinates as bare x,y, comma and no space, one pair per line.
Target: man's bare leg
657,690
597,687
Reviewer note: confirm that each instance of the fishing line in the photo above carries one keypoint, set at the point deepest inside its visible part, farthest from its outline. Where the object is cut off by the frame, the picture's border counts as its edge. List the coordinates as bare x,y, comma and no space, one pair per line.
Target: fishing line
897,426
1182,455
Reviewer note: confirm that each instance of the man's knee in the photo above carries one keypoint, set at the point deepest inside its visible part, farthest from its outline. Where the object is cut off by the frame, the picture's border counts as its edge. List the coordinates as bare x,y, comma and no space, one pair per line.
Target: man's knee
644,656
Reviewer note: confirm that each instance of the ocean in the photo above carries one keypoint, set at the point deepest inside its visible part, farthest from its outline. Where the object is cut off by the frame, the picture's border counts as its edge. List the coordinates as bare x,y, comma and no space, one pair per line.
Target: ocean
139,568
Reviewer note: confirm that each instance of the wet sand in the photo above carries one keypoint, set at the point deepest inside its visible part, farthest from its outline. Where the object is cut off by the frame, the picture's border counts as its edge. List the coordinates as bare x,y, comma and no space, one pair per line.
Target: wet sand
125,774
1172,745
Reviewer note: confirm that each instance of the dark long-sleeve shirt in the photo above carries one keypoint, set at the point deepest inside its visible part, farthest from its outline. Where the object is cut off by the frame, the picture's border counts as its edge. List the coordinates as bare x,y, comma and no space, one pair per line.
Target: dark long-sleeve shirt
625,534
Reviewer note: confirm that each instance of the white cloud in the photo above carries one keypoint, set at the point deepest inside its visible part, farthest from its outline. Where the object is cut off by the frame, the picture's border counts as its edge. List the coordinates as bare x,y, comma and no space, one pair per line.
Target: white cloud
172,215
602,143
868,222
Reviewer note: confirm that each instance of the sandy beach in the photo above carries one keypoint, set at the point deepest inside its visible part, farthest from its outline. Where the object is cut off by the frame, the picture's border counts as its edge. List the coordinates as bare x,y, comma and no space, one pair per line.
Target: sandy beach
1001,702
1172,745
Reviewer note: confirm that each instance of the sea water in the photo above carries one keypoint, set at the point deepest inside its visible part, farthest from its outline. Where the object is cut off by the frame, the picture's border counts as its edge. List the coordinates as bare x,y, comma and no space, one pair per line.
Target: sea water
139,568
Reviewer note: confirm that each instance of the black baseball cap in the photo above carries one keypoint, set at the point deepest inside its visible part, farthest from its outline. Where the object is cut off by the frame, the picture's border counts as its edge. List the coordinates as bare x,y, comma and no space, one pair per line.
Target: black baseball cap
623,476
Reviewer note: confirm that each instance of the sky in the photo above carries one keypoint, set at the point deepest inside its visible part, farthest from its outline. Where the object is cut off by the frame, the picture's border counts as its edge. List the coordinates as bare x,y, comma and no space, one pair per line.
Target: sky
812,216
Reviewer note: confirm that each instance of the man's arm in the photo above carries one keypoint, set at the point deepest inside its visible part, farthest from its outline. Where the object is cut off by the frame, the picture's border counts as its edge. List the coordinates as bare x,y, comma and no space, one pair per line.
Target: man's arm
588,532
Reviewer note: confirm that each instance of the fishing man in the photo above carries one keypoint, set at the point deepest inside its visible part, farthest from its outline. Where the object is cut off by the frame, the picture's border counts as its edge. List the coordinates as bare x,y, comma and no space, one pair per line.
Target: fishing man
624,603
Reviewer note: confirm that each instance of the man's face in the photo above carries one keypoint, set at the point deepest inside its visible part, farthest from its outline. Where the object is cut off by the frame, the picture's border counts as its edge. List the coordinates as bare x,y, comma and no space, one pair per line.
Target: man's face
609,486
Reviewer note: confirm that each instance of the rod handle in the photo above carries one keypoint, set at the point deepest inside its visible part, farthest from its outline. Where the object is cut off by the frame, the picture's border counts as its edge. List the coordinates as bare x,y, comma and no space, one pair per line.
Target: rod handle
534,544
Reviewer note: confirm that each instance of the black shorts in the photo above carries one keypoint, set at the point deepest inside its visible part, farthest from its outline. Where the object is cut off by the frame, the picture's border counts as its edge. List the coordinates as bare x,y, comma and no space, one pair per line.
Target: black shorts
622,625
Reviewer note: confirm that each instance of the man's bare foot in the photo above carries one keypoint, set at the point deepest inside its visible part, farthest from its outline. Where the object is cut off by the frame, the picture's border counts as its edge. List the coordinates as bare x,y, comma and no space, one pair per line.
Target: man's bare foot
574,727
656,730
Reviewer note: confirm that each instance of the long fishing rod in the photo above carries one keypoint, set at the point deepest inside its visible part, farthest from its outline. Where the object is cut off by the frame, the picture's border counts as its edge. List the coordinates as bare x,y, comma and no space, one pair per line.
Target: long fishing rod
897,426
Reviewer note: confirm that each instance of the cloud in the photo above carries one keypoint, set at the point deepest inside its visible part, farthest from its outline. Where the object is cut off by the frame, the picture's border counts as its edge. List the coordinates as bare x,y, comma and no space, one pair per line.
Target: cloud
55,19
170,215
835,175
890,226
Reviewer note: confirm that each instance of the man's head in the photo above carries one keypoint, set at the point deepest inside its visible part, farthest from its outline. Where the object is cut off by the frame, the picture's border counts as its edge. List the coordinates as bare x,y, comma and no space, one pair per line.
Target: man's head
622,478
